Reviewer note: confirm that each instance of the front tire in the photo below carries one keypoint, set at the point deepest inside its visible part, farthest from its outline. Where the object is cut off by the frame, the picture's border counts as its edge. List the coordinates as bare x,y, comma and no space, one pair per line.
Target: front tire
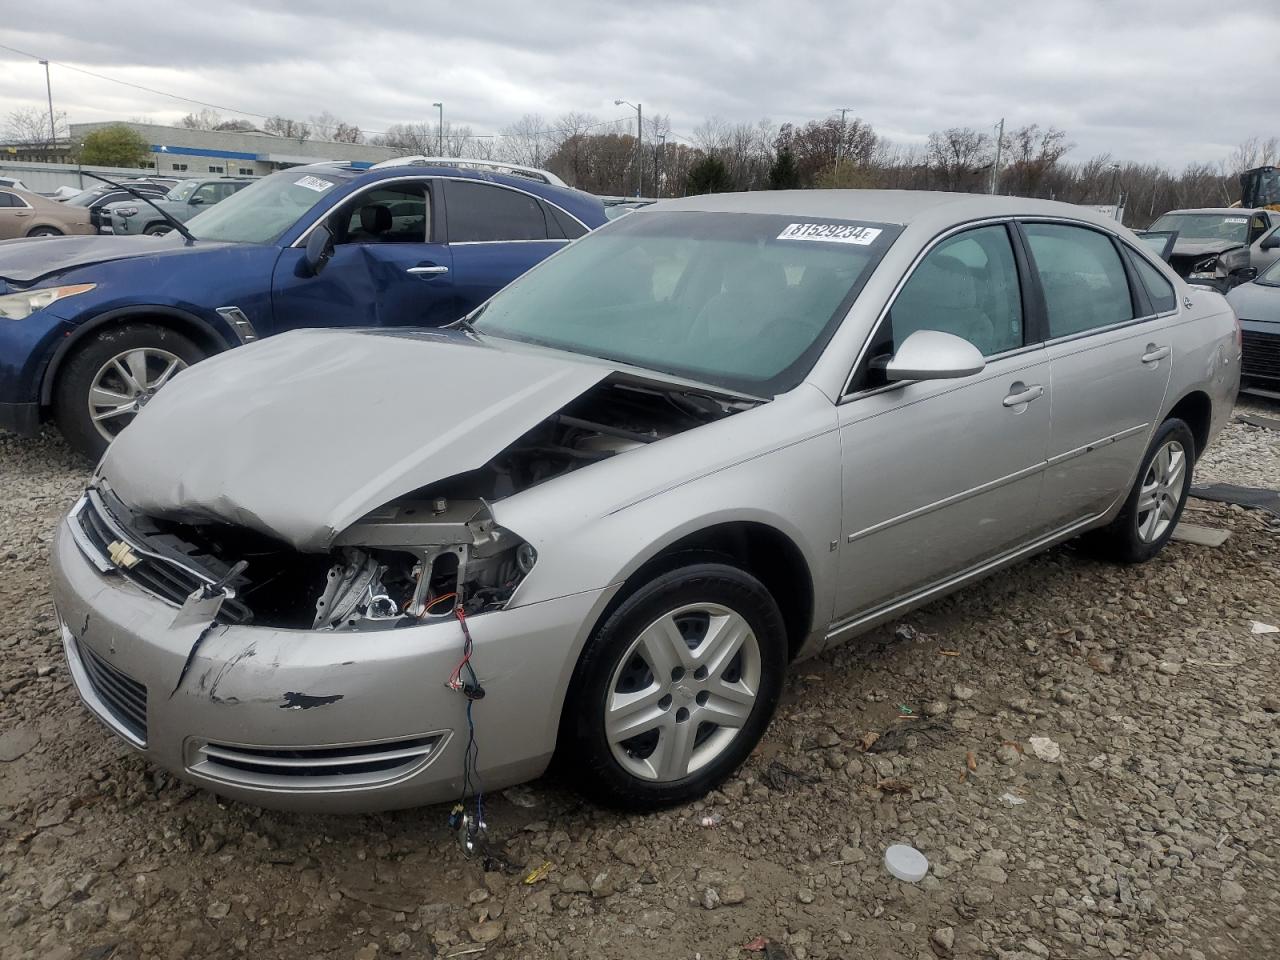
157,229
112,376
1154,505
675,688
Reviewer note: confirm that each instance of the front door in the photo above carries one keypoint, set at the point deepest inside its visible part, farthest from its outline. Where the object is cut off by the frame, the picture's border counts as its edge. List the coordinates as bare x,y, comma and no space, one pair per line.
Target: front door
942,475
388,267
1110,352
15,216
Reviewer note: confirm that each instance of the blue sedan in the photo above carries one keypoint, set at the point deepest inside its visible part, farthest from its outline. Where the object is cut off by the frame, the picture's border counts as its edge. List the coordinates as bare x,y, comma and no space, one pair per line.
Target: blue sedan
91,327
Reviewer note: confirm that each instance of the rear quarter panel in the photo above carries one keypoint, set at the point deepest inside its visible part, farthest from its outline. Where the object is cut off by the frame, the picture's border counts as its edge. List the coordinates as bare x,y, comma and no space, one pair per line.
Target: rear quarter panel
1206,353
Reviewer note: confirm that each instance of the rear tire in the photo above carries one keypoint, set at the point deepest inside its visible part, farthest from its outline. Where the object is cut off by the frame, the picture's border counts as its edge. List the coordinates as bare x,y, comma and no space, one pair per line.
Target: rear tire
117,369
45,232
1154,505
675,689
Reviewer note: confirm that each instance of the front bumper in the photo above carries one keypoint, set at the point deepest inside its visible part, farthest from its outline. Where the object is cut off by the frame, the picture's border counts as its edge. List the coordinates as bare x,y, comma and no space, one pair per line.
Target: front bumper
313,720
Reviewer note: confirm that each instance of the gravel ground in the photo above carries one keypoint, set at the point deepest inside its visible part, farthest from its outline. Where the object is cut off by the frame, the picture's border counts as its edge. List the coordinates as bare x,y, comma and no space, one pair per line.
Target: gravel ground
1152,835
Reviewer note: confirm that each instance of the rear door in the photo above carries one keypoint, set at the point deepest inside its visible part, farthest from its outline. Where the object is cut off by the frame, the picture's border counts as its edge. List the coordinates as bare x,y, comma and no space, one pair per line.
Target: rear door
940,476
1110,354
388,268
497,233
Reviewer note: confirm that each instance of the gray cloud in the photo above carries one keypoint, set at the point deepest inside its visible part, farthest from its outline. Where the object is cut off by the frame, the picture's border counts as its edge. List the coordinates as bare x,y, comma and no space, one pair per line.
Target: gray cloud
1148,80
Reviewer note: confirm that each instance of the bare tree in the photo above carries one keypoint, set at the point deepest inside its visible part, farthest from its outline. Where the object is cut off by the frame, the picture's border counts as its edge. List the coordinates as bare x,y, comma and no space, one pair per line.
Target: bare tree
29,127
284,127
528,141
206,119
959,157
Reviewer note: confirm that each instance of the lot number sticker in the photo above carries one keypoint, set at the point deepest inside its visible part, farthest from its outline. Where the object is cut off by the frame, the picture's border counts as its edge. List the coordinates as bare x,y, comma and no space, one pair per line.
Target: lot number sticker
313,183
830,233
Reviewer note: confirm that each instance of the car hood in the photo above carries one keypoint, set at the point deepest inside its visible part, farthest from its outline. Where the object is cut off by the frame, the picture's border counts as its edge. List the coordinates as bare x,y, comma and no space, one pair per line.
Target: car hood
1256,301
1203,248
300,435
29,260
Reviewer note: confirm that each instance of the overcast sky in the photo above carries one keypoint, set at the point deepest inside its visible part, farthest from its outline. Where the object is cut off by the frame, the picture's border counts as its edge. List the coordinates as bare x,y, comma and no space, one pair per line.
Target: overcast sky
1172,81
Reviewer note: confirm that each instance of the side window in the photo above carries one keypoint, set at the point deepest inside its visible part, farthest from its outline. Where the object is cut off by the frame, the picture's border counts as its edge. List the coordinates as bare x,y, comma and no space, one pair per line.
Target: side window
1159,289
1085,286
481,212
968,286
570,228
7,199
400,213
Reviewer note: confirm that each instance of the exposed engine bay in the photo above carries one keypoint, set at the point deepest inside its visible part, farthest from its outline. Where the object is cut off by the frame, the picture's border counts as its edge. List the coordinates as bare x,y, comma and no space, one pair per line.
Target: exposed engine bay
419,557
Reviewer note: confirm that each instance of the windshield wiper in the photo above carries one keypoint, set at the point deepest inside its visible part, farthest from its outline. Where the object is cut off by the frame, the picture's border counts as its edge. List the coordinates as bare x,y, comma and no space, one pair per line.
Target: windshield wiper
173,221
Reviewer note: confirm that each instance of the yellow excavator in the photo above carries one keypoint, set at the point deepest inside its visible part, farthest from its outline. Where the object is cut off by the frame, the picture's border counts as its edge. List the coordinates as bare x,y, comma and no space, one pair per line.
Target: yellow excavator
1260,189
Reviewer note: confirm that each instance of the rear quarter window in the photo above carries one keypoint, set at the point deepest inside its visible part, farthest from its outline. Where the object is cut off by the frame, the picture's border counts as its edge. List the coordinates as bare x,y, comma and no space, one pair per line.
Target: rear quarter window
1159,290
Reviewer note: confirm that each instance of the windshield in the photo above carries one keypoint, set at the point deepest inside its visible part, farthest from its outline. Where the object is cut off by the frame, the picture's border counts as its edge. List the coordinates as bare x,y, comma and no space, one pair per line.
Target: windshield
181,190
1205,226
264,210
87,197
1271,276
741,301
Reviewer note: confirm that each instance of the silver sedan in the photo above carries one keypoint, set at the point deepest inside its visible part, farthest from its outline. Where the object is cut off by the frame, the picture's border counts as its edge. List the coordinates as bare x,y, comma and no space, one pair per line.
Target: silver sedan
599,518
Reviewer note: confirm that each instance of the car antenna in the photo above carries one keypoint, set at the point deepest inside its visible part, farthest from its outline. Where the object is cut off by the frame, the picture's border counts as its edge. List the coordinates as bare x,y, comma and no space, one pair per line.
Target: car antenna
173,221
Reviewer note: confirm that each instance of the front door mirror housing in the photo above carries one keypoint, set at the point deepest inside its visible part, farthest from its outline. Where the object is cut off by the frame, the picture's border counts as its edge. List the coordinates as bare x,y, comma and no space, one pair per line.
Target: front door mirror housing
318,250
196,200
934,355
1244,274
1271,242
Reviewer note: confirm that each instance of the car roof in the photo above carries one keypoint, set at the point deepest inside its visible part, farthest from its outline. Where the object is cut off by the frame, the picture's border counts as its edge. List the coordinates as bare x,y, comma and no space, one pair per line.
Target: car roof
926,207
1221,211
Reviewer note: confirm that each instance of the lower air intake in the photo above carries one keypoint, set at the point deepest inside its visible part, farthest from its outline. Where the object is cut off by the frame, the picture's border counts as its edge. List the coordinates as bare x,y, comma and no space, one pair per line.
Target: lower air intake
316,768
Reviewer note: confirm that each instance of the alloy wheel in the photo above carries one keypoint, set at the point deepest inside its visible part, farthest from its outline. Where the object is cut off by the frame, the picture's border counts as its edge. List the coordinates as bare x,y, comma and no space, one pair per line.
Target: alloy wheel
682,691
1161,491
123,385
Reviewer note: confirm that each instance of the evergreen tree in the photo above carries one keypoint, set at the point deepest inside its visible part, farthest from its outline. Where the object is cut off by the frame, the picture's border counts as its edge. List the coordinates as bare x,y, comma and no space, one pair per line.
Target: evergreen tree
709,175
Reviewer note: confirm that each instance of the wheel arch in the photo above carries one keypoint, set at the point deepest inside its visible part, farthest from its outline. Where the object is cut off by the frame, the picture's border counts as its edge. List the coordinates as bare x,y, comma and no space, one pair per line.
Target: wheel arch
176,319
763,551
1195,409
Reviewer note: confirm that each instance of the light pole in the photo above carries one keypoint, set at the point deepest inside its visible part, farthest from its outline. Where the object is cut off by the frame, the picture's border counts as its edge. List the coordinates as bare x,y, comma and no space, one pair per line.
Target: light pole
440,131
1115,187
840,142
995,168
53,129
639,143
658,155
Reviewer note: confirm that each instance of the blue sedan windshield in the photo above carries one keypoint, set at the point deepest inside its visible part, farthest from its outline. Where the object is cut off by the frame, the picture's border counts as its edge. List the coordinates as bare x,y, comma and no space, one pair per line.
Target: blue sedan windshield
742,301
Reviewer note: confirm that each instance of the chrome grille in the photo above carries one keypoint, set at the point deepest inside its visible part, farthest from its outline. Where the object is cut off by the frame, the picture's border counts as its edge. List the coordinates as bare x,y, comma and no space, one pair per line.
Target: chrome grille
123,696
162,576
1261,355
316,768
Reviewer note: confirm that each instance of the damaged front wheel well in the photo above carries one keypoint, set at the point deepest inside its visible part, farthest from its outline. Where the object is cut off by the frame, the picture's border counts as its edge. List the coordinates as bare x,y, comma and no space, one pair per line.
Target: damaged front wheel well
763,551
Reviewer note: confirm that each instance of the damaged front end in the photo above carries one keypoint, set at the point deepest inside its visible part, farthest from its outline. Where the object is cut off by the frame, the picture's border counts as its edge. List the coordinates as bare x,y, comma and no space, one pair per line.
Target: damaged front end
425,555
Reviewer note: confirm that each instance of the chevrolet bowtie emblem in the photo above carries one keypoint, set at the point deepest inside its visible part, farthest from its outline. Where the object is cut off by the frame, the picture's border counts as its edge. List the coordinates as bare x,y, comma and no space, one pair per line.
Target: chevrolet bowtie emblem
122,555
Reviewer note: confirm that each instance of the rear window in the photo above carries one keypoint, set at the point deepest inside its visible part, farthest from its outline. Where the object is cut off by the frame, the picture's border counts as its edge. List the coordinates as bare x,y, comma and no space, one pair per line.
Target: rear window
1159,289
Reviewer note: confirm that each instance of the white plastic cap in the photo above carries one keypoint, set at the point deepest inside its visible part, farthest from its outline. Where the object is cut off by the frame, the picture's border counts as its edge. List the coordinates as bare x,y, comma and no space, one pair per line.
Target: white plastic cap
906,863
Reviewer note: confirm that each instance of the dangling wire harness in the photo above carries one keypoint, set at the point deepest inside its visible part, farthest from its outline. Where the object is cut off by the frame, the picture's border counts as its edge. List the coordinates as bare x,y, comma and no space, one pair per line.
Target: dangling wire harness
470,828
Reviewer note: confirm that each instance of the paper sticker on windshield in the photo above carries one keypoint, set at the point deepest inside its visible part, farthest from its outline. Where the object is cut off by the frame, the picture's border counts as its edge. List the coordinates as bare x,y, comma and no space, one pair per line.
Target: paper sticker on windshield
830,233
1236,220
313,183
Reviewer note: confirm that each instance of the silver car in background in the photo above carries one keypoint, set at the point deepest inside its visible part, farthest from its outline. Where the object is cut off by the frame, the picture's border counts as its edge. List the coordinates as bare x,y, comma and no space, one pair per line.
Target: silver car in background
343,570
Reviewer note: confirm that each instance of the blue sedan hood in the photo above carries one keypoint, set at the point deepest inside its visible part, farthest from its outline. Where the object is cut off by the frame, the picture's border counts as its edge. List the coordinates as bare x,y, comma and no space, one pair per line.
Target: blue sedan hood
26,261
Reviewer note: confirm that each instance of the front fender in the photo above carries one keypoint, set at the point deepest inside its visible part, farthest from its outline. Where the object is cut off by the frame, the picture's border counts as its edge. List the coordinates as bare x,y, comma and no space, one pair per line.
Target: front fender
590,534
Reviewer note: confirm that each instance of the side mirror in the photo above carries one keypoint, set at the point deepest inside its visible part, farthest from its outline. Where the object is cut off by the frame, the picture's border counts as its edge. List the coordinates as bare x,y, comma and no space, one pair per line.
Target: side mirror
934,355
319,249
1271,242
196,201
1244,274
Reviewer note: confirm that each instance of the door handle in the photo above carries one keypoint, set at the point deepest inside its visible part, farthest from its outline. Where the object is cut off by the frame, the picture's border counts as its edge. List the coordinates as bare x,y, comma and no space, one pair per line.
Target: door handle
1155,354
432,271
1020,394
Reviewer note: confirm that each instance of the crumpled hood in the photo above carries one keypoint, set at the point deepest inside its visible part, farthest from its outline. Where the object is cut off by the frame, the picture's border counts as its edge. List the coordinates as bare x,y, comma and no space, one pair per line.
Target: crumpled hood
299,435
28,260
1203,248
